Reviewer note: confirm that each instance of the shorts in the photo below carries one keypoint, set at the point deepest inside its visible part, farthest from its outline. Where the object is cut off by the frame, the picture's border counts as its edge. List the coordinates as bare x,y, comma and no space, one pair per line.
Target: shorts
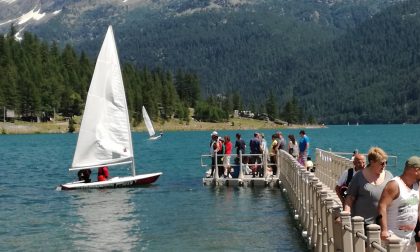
226,161
303,156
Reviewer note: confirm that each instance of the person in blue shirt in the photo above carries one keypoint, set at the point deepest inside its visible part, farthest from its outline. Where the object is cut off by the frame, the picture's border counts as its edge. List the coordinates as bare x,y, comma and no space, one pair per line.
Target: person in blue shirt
303,148
239,145
255,146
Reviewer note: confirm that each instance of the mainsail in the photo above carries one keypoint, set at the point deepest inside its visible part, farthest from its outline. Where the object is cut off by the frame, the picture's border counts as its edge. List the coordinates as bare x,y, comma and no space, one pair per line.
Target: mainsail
105,135
148,122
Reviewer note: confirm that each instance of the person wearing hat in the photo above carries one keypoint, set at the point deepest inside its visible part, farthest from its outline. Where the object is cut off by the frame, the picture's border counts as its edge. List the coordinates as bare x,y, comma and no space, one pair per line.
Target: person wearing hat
398,205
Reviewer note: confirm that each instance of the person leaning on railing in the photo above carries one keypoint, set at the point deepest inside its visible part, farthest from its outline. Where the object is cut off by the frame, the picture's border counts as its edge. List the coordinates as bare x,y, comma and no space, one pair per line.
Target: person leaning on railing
366,187
399,204
344,181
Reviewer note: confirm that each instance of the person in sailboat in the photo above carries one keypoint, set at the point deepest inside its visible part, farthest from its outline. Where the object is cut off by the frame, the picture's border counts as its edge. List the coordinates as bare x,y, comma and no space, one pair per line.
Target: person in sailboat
84,175
103,173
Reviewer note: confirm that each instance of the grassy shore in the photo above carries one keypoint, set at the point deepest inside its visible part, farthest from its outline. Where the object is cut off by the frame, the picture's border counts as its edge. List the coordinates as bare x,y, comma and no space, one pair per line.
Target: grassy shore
19,127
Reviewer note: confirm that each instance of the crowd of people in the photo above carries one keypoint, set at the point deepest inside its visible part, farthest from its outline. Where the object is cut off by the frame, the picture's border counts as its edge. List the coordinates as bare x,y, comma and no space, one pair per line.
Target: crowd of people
368,189
371,191
221,151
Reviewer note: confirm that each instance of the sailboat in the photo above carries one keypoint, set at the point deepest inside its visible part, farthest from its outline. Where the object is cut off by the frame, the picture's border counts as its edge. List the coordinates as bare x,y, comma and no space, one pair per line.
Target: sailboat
149,125
105,134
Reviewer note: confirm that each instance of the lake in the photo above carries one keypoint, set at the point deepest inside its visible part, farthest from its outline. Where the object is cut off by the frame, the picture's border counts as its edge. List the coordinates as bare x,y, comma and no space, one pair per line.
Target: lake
177,213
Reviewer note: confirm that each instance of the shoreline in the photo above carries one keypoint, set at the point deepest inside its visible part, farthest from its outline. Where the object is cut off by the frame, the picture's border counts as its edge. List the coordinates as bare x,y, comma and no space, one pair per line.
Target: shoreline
60,127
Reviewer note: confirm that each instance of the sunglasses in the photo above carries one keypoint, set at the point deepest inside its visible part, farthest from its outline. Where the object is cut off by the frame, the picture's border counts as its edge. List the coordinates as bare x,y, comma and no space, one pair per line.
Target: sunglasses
384,163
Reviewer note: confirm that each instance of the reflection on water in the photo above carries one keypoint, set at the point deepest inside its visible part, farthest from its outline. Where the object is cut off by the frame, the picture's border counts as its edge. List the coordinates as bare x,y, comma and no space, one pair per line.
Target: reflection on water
107,220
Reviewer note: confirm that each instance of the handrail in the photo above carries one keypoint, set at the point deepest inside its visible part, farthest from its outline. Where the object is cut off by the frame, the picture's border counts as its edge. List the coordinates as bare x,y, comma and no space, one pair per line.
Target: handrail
316,207
264,162
392,160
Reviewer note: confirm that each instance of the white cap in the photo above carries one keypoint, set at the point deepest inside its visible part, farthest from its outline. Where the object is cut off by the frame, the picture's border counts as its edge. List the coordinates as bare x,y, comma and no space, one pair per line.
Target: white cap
214,133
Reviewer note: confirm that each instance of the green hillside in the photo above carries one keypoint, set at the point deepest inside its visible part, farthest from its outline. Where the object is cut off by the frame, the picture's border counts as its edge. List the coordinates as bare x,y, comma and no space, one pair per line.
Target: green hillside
340,61
369,75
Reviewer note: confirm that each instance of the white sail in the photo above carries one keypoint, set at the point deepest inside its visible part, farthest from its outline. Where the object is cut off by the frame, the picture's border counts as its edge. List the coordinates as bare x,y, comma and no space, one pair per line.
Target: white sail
105,135
148,122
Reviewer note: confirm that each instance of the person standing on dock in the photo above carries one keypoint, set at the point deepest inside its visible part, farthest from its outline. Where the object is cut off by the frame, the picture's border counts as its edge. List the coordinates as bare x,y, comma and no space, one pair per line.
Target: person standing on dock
255,146
366,187
303,148
281,143
273,153
399,204
214,149
293,146
344,181
226,158
239,145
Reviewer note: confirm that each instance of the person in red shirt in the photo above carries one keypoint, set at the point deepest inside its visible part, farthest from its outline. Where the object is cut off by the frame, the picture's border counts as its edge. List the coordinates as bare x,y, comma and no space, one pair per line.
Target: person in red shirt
103,173
228,152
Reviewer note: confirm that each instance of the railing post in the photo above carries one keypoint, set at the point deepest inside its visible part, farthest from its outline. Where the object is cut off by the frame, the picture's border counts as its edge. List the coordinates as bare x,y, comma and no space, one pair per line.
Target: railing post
319,239
346,234
338,239
324,224
373,236
358,227
216,167
307,203
312,209
278,164
314,236
394,245
241,174
330,223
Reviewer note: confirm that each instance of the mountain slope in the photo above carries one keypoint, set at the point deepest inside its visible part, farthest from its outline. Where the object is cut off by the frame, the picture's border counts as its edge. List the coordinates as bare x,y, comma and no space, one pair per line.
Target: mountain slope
290,48
228,43
370,75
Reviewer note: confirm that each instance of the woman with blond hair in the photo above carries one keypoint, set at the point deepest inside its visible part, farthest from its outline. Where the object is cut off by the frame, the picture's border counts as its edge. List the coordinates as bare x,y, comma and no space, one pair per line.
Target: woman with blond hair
367,185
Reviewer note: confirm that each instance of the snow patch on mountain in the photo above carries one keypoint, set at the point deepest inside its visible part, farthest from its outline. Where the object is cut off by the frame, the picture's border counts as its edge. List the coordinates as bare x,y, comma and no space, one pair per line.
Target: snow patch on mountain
33,14
8,1
216,5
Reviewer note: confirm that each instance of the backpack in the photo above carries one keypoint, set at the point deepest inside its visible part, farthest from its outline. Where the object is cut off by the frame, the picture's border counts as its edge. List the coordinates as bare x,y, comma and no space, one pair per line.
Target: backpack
344,187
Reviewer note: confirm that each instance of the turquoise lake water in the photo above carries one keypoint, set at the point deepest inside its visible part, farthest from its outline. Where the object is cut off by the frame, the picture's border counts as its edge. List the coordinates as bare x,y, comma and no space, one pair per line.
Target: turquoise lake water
177,213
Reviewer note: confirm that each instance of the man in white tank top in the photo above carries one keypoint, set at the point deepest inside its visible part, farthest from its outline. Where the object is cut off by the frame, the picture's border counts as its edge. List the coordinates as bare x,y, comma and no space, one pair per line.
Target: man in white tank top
399,203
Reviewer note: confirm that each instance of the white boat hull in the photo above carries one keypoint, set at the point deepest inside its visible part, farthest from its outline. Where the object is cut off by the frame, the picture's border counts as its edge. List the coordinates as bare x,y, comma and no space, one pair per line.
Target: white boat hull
115,182
155,137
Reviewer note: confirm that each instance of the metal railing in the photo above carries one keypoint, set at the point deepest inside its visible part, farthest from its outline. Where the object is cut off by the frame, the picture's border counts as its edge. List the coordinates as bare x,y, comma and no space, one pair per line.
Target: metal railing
265,163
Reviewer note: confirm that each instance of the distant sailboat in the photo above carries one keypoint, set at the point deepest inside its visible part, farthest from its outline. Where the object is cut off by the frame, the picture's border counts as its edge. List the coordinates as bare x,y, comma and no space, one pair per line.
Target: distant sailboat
105,134
149,125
